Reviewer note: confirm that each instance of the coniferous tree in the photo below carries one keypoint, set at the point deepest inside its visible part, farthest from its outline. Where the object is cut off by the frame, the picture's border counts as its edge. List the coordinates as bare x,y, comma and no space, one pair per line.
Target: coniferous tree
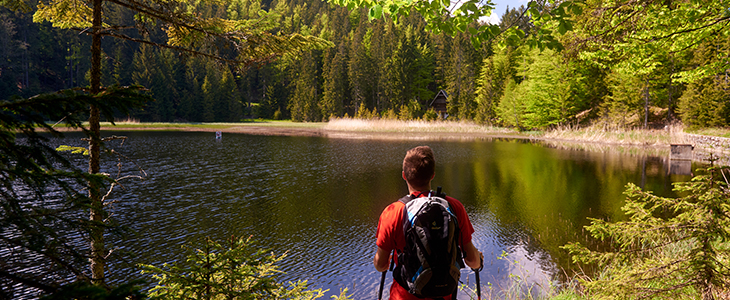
622,106
550,90
511,109
669,247
10,48
228,107
496,71
334,97
706,102
461,75
164,86
360,66
303,102
211,93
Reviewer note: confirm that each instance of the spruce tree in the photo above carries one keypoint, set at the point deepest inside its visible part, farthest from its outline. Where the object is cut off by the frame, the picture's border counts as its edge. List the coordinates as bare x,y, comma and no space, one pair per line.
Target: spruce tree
673,248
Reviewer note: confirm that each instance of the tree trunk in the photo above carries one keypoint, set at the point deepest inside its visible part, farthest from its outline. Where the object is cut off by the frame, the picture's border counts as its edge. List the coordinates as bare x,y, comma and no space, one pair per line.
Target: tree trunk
26,61
97,207
646,104
670,110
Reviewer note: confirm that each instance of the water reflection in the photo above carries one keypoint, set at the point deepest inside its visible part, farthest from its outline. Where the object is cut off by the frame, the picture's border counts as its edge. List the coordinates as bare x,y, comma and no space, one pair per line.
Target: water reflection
319,199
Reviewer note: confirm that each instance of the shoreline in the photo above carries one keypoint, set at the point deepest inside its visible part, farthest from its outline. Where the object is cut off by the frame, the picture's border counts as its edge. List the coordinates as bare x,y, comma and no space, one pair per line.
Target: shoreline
652,142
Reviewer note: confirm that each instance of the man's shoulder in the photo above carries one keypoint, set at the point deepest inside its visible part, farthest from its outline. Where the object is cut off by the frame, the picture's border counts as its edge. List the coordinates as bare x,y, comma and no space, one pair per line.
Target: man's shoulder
393,208
454,202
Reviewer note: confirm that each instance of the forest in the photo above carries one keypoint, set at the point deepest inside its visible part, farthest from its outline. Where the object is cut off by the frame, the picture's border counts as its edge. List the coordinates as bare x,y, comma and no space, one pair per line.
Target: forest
383,68
552,64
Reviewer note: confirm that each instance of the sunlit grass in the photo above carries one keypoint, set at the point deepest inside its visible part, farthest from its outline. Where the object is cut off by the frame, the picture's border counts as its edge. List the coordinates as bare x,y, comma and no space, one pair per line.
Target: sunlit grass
596,134
386,125
135,124
672,134
721,132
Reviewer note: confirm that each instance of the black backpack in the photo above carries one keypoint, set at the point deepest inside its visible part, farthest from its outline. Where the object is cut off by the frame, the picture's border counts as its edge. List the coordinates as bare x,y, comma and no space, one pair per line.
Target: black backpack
429,265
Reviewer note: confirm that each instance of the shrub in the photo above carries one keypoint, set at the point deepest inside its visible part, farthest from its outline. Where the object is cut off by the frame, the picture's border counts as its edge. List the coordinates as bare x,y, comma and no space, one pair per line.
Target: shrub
236,270
430,115
669,247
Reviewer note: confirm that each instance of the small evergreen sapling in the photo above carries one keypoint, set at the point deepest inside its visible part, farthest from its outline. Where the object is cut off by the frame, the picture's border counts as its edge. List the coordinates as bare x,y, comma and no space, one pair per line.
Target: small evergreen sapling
231,270
669,247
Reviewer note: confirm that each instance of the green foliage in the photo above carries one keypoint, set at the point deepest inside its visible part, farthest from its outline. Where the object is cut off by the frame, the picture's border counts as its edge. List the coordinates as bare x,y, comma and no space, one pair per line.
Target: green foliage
389,114
305,98
443,17
235,269
705,103
85,291
41,204
430,115
364,113
511,108
637,35
669,247
623,104
389,59
75,150
549,89
335,85
461,73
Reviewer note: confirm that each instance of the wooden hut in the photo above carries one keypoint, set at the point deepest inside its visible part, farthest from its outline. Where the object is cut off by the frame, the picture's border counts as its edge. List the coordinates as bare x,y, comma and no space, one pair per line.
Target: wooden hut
439,103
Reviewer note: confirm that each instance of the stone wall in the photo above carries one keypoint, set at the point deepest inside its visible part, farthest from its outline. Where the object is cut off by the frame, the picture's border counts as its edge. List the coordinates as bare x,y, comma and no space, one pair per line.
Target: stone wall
706,147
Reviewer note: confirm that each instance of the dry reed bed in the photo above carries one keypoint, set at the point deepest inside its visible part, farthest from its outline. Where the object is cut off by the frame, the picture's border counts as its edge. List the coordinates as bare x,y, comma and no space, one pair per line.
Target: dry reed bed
385,125
639,137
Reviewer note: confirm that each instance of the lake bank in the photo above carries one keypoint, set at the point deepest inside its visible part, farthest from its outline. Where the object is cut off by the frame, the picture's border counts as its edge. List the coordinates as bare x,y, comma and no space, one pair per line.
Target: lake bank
653,142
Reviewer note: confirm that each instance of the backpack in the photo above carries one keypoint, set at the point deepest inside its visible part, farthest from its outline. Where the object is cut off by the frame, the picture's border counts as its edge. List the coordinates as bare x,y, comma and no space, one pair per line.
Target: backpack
428,266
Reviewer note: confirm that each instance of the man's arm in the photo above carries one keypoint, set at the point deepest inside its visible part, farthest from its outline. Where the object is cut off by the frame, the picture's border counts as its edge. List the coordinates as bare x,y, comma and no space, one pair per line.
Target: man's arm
473,257
381,260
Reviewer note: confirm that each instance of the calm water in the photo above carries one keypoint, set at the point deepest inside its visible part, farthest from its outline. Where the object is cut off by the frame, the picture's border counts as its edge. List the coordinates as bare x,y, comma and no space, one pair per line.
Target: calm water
319,200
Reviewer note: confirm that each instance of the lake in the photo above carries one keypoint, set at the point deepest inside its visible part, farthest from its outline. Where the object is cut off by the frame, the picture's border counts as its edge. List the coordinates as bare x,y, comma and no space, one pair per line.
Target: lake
318,200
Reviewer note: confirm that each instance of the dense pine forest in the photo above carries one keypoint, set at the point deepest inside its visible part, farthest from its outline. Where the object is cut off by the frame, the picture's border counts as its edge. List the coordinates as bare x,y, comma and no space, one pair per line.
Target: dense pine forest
378,68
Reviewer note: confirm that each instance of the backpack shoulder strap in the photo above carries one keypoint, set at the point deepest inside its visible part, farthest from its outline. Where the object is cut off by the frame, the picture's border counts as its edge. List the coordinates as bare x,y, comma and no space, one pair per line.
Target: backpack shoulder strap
405,199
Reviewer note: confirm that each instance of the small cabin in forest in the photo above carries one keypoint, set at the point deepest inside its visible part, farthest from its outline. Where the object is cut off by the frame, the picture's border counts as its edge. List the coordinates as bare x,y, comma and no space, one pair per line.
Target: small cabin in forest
439,103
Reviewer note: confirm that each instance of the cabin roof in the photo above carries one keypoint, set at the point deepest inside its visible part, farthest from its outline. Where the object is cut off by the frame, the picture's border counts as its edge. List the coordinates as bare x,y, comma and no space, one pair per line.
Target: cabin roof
441,97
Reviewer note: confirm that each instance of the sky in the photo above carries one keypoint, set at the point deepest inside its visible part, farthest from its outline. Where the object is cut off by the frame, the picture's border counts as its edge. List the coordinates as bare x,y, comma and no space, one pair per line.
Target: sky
501,6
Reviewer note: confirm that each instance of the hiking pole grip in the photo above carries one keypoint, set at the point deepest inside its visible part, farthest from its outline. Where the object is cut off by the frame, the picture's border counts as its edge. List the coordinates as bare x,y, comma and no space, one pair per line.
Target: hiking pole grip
382,278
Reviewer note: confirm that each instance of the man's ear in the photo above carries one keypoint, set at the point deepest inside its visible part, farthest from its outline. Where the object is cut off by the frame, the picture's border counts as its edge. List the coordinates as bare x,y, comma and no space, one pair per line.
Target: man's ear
434,175
403,174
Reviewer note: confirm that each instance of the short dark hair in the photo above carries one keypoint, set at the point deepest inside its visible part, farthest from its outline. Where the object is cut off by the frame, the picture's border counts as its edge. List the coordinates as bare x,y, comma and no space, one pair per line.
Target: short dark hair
419,166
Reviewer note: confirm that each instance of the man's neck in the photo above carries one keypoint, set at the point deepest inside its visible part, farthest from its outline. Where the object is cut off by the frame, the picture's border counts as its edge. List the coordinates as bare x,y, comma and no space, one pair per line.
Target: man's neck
424,189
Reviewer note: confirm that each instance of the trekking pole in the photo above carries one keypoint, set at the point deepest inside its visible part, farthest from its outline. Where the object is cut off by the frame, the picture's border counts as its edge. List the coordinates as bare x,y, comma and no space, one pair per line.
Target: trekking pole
476,274
382,282
382,279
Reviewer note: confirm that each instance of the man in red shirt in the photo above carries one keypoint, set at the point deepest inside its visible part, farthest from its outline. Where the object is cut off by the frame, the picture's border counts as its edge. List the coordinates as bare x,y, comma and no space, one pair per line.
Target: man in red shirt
418,171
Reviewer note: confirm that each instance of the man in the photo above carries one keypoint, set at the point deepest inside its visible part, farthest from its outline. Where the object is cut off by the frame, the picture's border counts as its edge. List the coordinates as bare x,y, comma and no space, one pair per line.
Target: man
418,171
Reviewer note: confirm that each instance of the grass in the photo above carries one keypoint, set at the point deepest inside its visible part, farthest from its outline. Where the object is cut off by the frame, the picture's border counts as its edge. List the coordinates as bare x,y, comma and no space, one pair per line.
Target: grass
673,134
135,124
721,132
565,136
386,125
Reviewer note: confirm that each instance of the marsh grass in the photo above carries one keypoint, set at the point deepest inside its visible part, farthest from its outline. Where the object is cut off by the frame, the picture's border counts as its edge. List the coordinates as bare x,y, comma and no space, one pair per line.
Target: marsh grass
670,134
389,125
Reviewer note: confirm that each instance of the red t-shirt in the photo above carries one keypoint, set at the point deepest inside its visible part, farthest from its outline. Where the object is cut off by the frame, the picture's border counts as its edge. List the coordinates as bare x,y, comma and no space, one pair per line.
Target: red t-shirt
390,236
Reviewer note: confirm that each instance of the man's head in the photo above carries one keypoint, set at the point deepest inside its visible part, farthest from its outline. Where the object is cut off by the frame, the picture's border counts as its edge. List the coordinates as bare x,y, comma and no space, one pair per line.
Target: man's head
419,166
